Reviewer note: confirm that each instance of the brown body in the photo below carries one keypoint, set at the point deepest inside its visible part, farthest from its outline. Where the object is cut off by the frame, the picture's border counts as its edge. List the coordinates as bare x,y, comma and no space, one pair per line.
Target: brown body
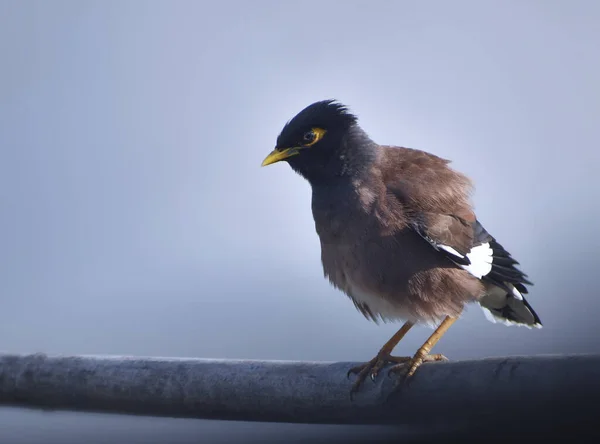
370,251
398,233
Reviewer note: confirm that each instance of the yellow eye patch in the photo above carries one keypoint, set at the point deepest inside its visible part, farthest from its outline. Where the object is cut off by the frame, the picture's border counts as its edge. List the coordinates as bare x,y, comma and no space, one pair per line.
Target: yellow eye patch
313,136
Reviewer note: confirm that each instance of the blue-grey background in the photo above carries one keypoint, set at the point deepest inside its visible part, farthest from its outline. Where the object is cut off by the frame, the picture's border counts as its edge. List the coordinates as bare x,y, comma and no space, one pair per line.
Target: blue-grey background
135,218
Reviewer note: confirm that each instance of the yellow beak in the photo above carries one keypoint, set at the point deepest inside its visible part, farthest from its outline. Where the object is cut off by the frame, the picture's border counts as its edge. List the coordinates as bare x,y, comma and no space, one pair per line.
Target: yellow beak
279,155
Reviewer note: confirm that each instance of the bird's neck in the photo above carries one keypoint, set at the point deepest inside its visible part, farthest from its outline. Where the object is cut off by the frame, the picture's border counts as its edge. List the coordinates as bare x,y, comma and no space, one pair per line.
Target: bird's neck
339,207
350,161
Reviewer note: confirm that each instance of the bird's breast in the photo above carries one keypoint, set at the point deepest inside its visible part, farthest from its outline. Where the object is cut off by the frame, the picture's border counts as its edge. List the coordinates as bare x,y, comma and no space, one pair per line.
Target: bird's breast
345,267
339,214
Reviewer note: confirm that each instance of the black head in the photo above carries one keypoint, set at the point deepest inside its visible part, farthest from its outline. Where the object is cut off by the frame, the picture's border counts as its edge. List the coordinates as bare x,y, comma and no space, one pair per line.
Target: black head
316,140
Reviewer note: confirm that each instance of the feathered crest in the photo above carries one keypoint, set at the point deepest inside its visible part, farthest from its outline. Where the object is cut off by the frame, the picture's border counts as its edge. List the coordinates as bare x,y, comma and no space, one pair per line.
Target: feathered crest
327,114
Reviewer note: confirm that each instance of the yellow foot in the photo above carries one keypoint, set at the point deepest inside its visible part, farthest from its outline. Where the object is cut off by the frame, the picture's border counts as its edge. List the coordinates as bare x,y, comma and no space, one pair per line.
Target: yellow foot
411,365
373,367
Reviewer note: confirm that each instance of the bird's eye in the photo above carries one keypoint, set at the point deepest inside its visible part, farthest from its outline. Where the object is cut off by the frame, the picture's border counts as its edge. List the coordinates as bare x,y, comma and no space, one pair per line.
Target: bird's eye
309,137
312,136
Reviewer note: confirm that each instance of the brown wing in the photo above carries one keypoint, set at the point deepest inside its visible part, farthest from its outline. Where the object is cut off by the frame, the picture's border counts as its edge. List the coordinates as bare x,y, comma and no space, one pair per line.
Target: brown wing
434,197
436,200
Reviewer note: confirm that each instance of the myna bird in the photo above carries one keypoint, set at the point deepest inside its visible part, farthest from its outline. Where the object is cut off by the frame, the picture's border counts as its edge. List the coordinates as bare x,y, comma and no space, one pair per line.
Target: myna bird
398,233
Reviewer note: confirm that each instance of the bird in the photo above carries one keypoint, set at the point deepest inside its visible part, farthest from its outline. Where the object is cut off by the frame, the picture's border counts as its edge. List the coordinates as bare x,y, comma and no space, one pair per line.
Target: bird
398,234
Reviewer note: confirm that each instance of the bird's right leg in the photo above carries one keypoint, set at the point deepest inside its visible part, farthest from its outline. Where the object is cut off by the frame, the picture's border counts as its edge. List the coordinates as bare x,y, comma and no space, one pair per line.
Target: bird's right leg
383,358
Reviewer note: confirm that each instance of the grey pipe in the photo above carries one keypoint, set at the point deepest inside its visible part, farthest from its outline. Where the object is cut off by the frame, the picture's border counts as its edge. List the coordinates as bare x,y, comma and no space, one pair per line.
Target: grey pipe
465,392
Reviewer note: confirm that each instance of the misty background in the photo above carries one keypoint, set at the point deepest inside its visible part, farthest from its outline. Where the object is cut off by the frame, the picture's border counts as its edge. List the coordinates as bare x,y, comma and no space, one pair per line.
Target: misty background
136,220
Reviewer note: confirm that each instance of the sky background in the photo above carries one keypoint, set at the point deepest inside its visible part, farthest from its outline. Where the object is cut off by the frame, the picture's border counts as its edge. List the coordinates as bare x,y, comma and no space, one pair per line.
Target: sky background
136,218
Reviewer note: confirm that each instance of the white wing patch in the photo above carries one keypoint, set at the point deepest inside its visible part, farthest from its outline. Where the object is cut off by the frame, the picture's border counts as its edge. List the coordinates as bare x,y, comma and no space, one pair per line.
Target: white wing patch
480,258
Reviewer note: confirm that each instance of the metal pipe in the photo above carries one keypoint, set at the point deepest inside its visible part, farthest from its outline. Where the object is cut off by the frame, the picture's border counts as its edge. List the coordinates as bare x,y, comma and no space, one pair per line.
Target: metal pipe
481,391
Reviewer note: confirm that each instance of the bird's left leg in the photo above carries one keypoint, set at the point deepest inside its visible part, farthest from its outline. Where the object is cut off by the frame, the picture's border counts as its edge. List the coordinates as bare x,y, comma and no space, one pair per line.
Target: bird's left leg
384,357
422,353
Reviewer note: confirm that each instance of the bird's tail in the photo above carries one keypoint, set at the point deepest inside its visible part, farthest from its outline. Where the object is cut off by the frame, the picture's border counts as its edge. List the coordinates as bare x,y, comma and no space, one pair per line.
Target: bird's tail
505,284
510,308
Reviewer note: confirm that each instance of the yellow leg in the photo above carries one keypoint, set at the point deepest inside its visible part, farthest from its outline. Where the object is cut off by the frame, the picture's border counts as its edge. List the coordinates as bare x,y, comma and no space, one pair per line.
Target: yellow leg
383,357
422,353
394,340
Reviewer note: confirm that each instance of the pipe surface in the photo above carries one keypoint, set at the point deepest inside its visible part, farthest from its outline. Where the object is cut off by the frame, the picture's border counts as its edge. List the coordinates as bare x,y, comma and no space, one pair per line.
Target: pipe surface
484,391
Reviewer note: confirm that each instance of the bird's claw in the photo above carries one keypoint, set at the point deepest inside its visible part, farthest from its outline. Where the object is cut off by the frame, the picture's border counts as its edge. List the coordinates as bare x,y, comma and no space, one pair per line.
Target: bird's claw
350,372
372,369
411,365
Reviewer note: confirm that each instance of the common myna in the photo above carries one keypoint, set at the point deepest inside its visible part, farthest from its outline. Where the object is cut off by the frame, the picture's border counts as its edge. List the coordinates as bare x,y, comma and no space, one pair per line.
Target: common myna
398,233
